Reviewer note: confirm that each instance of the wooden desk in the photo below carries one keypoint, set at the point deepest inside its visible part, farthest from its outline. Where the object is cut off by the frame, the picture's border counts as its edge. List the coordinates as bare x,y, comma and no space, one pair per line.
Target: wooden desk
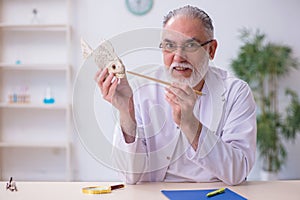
72,190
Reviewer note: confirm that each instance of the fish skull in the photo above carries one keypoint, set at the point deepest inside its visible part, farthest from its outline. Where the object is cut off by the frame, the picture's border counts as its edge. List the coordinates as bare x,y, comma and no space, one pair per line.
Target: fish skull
105,57
117,68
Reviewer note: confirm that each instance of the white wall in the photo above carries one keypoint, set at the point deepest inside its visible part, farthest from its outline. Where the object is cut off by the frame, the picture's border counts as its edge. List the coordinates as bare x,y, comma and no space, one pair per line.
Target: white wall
98,19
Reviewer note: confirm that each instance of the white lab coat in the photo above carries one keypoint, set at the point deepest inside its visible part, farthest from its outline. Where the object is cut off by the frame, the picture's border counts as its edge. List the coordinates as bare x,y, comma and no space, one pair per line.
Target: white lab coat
226,149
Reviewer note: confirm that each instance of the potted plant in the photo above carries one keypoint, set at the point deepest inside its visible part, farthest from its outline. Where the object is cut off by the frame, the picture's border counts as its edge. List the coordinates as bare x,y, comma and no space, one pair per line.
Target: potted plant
262,65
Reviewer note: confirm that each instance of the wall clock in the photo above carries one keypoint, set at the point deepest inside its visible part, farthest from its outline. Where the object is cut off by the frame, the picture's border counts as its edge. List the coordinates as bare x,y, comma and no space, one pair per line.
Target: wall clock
139,7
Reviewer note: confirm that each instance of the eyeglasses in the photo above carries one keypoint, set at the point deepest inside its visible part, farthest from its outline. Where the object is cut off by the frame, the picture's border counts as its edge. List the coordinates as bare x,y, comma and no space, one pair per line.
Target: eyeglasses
191,46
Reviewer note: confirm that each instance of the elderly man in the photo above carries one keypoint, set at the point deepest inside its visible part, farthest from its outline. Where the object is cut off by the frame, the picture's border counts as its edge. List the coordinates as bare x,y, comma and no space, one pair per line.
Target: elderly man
173,134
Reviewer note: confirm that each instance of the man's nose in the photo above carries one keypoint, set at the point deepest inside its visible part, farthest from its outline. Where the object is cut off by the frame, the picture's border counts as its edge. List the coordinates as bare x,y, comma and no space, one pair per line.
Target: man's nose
179,54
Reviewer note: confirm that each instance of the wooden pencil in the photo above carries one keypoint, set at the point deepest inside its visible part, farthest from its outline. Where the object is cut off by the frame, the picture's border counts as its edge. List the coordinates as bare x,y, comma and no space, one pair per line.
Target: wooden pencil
157,80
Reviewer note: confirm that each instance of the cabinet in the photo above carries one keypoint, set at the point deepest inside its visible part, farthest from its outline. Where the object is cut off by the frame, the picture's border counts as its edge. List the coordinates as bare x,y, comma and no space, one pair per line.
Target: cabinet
35,137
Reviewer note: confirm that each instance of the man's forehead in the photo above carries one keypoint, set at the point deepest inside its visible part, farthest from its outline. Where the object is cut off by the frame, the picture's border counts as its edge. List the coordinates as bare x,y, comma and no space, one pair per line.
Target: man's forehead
182,27
169,35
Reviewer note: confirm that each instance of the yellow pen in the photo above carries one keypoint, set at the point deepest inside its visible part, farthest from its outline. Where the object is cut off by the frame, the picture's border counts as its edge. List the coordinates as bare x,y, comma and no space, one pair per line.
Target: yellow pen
213,193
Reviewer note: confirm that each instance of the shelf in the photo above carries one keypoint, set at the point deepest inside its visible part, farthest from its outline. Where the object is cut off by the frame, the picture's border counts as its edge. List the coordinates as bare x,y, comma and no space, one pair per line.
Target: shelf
35,53
41,67
34,106
39,144
40,27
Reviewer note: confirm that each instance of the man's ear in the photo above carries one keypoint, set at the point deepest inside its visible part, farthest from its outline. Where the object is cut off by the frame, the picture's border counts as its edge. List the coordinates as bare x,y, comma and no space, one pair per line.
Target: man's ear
212,49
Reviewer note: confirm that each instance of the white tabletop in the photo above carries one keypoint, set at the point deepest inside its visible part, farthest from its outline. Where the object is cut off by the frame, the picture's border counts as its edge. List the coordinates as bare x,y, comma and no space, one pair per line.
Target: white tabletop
73,190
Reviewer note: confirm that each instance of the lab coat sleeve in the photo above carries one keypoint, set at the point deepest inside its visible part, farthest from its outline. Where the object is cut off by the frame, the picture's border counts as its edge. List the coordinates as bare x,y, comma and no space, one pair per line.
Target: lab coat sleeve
229,154
130,159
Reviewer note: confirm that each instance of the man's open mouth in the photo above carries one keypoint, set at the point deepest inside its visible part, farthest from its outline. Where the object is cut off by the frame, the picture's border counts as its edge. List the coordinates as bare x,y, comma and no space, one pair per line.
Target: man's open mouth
181,68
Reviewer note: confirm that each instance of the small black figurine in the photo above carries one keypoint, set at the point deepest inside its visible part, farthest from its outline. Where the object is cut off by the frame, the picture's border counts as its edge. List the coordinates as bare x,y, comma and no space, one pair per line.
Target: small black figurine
11,185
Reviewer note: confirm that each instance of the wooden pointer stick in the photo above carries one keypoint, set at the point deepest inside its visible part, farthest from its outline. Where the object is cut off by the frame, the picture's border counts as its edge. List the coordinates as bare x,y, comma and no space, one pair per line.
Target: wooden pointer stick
157,80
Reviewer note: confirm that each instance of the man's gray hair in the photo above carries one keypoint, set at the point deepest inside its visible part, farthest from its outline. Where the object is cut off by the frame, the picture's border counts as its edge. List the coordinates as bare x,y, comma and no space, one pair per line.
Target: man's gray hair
194,13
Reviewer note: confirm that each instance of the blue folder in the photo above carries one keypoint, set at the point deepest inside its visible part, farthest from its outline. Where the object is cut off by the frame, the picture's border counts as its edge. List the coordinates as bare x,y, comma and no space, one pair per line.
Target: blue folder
201,194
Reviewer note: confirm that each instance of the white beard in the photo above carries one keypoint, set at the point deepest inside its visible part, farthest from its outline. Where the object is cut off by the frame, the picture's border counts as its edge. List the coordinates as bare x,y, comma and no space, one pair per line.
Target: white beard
197,75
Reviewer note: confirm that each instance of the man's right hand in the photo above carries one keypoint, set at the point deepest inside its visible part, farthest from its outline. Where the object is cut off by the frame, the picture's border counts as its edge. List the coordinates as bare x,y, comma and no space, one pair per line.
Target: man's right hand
119,93
114,90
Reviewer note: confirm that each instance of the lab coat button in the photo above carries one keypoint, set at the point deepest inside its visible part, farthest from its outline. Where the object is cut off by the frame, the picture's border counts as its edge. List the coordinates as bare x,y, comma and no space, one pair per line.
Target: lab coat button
223,97
168,158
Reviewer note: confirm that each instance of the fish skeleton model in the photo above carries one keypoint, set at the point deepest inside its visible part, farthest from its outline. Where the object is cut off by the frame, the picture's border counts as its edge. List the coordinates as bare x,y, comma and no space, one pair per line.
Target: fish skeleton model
104,57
